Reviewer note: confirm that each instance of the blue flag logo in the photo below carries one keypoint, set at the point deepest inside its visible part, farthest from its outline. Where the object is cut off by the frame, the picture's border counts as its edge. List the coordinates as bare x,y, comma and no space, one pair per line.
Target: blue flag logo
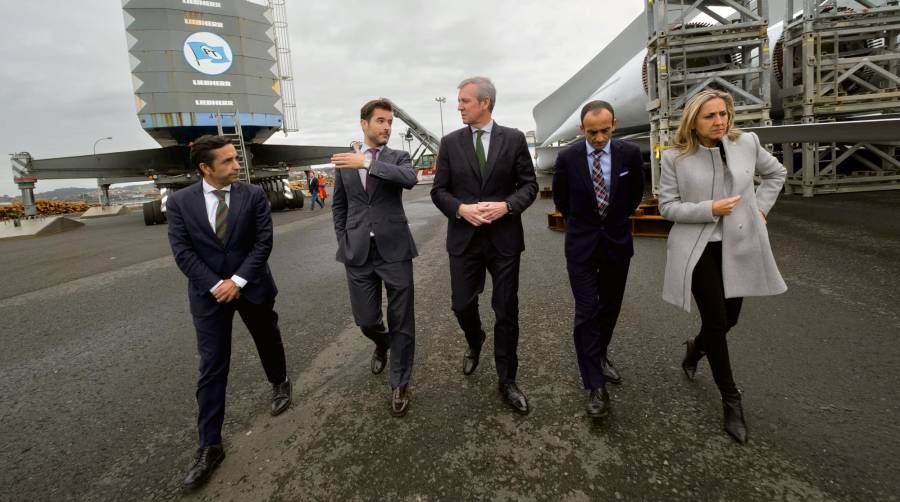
208,53
203,51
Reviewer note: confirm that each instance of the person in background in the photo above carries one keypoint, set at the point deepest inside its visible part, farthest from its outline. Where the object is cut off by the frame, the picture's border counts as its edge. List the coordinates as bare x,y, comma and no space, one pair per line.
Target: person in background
314,192
718,249
323,193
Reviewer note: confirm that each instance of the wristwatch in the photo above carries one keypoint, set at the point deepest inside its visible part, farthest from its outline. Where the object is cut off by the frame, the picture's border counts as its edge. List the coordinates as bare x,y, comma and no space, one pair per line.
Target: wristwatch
508,207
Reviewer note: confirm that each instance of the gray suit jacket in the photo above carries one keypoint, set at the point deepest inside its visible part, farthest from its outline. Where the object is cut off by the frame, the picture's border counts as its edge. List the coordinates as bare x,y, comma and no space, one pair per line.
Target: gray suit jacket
357,214
687,188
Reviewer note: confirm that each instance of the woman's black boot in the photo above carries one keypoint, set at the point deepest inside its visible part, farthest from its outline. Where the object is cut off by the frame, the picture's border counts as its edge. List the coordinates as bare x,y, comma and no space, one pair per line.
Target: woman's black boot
691,357
734,416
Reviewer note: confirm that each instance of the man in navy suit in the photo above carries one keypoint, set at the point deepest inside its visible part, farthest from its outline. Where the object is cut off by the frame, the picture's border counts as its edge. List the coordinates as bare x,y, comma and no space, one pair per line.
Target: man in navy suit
220,231
597,185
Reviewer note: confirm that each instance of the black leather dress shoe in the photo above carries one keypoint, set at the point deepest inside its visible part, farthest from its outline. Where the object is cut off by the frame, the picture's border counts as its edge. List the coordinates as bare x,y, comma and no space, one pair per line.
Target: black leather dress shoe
281,397
598,405
207,459
470,359
735,425
399,402
610,373
692,356
379,360
514,397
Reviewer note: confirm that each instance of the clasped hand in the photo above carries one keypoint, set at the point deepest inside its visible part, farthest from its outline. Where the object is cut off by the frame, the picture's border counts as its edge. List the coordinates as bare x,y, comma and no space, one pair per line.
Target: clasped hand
227,292
482,213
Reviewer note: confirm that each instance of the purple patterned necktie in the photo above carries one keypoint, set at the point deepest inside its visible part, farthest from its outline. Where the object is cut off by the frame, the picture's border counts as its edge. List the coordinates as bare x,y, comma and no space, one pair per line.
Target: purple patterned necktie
370,180
600,188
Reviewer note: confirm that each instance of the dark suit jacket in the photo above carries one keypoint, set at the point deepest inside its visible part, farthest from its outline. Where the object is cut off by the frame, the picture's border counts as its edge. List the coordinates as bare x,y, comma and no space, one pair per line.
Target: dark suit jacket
574,196
203,258
356,213
509,176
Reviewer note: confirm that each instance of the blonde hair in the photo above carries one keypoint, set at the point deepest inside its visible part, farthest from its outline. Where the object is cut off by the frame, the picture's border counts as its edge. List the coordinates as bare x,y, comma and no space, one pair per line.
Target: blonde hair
686,139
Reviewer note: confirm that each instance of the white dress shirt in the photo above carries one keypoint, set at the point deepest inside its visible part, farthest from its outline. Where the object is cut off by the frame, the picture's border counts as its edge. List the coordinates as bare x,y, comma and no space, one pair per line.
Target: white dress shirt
212,203
363,172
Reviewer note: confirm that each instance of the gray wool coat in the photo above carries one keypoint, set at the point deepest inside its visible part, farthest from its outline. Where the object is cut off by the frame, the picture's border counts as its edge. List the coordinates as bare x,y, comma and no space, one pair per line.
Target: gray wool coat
688,185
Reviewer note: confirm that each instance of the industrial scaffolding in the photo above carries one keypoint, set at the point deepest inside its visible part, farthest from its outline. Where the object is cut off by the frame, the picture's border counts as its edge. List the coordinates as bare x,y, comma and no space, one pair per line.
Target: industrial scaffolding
840,63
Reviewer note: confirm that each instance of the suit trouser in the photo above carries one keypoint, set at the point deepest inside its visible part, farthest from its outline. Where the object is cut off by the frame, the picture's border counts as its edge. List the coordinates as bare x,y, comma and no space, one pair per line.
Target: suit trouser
717,315
365,298
598,286
214,347
467,275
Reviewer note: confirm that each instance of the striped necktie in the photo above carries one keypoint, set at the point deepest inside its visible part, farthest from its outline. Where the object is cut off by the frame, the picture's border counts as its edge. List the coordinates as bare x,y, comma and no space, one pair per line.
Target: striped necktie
600,188
221,215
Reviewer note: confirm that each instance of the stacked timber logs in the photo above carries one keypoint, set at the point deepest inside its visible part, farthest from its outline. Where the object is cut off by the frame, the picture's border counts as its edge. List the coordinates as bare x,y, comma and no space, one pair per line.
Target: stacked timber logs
44,208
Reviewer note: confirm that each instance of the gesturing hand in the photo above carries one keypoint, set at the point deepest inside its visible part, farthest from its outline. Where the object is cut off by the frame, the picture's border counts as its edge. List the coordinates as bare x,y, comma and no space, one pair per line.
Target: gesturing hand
348,160
725,206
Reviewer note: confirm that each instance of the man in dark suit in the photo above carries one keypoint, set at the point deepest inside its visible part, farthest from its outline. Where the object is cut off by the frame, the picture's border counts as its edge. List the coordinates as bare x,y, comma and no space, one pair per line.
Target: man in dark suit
220,231
376,246
597,185
484,181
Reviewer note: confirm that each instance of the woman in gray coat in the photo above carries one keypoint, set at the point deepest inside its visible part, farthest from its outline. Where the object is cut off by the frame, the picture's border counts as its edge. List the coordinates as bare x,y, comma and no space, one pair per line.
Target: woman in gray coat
718,249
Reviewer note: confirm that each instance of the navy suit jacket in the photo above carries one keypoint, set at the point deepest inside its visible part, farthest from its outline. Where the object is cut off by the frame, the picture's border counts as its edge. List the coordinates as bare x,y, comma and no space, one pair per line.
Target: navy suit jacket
509,176
574,196
205,260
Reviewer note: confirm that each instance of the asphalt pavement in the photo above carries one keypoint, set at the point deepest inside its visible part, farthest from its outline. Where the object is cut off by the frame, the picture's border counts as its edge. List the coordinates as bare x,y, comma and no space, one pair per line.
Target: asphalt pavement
98,366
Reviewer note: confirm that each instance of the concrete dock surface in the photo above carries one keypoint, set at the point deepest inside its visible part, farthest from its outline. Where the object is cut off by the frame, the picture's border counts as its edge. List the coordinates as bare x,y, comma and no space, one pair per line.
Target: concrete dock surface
99,362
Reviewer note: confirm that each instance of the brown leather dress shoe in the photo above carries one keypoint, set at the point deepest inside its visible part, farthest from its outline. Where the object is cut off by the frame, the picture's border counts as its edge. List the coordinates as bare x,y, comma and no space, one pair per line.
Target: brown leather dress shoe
206,461
281,397
399,402
514,397
470,359
379,360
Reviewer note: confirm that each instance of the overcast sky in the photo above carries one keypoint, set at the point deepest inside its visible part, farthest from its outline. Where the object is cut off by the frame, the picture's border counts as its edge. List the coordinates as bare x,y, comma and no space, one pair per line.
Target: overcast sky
65,78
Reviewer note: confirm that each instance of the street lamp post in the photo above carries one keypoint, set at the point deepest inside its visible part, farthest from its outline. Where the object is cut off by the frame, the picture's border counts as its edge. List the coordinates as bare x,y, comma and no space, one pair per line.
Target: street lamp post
440,101
409,138
99,140
103,192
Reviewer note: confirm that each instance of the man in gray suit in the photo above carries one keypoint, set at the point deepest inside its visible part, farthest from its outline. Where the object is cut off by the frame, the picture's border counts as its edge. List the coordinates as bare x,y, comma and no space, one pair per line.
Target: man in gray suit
376,246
